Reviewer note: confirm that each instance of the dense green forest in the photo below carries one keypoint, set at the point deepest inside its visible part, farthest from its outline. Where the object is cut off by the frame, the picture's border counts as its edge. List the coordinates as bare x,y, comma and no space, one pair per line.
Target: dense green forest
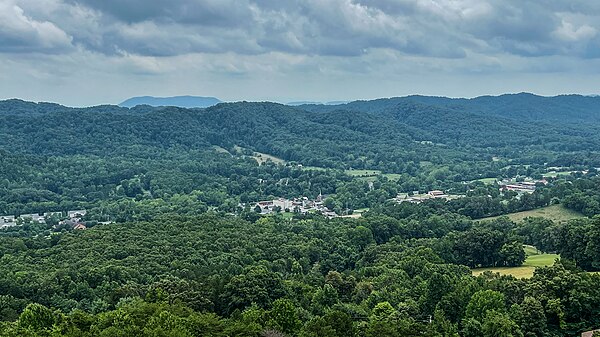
222,276
187,255
55,158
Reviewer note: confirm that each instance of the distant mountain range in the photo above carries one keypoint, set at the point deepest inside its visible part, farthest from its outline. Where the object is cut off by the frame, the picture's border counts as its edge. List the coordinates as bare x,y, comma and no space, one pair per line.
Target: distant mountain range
178,101
514,126
199,102
298,103
520,108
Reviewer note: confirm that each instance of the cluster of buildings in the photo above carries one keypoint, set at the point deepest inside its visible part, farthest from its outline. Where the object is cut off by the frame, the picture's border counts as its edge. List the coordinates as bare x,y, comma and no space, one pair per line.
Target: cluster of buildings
301,205
417,198
520,187
72,218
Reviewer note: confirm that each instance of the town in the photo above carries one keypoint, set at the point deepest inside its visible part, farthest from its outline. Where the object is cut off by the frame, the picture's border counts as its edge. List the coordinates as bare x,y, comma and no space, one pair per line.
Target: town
416,197
71,219
302,205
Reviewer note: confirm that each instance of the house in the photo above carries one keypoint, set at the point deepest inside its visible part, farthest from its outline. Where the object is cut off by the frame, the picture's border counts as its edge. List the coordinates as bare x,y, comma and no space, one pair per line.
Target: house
49,214
519,187
437,194
7,221
4,225
34,218
79,226
7,218
590,333
77,214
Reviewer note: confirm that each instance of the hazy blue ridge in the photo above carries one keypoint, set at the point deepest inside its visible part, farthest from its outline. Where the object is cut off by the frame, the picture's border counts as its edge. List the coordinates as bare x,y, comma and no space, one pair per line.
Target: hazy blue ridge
178,101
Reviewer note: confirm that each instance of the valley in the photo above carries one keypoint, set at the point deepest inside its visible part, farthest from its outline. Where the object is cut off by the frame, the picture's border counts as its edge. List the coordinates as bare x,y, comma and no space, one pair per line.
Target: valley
243,218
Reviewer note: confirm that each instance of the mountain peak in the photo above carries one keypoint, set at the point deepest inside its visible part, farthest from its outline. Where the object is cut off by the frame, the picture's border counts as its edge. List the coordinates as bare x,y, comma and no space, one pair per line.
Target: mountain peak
178,101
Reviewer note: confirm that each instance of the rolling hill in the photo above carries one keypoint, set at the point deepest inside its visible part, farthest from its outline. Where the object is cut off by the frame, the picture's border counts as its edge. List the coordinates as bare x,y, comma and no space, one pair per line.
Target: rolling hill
178,101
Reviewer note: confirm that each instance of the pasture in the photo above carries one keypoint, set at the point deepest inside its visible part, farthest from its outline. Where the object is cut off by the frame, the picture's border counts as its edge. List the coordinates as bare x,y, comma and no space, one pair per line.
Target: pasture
535,259
557,213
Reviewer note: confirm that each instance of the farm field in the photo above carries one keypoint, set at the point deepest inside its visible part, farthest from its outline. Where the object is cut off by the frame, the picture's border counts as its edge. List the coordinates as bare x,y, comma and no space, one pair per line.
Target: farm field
556,213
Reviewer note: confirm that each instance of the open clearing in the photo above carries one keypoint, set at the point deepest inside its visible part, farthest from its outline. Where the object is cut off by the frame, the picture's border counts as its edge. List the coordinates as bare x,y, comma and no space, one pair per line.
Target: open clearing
363,173
220,149
314,168
487,181
554,174
557,213
356,214
392,176
371,175
524,271
262,158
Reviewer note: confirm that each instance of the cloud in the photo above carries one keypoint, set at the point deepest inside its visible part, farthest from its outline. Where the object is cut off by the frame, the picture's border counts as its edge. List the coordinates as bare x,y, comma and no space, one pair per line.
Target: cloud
314,46
431,28
22,34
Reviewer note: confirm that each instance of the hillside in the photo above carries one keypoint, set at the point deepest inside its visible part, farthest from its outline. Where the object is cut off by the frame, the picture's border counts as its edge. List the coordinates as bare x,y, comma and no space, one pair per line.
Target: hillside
175,240
178,101
148,153
522,107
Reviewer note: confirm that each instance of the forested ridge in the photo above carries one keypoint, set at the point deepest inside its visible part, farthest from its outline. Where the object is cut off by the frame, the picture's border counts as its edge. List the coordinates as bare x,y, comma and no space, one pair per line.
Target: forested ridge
187,255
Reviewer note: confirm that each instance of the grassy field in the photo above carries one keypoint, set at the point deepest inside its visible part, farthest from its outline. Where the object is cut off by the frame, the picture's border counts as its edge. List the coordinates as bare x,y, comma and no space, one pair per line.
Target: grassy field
367,179
541,260
314,168
518,272
556,213
554,174
530,250
287,215
487,181
220,149
392,176
363,173
262,158
371,175
534,260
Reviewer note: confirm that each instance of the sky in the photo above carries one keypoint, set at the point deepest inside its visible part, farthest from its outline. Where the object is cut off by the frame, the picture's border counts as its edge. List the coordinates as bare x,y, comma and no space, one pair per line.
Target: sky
89,52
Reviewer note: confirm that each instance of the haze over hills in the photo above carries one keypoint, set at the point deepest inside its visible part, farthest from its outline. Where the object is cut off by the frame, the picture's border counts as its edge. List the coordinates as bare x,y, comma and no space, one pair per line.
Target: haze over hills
178,101
507,123
183,186
204,168
298,103
521,106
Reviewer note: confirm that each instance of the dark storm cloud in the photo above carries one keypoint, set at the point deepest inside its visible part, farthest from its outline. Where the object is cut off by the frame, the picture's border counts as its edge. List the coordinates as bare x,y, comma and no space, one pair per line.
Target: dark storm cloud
436,28
224,13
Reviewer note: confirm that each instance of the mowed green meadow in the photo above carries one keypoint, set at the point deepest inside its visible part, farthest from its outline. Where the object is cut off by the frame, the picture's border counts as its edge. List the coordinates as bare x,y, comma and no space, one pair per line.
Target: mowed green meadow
371,175
363,173
557,213
535,259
